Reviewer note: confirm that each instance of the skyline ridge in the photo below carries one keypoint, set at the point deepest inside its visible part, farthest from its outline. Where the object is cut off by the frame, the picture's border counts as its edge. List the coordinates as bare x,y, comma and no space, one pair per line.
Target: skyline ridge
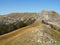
10,6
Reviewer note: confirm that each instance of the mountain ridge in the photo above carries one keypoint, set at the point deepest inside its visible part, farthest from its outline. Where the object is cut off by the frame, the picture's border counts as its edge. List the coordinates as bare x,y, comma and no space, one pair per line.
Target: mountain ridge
45,30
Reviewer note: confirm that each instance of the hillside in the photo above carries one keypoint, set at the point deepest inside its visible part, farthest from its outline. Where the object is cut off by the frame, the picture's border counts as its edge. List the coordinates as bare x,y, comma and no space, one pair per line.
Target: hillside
35,34
14,21
45,30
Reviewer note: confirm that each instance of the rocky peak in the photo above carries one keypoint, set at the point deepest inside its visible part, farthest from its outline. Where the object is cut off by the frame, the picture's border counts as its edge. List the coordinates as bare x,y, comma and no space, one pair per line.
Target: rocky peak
48,12
49,15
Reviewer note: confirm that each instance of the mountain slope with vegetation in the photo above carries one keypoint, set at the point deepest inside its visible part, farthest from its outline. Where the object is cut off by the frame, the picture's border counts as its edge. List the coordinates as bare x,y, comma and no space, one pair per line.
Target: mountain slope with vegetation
15,21
45,30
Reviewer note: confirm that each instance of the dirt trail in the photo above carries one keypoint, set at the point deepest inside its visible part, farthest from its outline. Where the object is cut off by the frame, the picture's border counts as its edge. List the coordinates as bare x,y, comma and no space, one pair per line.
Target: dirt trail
12,35
31,35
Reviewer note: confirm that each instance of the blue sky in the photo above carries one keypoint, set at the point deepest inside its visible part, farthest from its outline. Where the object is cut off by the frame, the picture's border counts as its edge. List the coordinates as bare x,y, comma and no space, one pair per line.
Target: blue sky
10,6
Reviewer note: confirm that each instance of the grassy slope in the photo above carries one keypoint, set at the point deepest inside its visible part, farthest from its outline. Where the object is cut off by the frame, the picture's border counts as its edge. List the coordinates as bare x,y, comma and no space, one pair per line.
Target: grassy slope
54,33
14,37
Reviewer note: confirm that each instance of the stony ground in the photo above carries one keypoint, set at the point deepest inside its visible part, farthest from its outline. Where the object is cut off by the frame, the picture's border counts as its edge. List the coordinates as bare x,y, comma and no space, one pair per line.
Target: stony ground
34,35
